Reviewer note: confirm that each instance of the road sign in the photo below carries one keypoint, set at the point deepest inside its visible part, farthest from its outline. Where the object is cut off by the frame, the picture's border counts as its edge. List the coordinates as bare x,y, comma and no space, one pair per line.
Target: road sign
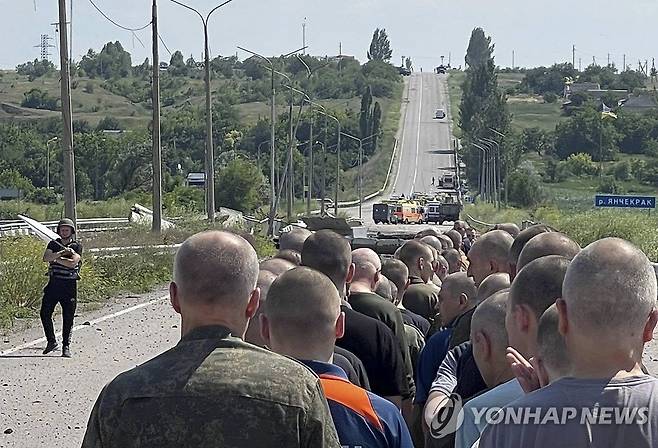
625,201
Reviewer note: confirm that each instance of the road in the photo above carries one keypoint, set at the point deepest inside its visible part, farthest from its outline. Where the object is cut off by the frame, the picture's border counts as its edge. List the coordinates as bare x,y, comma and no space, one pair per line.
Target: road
424,142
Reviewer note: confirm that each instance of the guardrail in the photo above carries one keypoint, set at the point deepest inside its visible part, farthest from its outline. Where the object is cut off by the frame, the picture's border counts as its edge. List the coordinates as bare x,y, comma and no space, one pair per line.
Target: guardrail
18,227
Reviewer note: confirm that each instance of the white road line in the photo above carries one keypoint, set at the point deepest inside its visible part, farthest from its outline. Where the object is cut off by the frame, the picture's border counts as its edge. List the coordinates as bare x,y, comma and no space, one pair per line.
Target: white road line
401,148
420,113
79,327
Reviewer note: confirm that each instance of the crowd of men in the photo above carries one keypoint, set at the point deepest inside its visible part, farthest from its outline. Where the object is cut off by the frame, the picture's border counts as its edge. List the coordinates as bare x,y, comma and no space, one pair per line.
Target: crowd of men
506,339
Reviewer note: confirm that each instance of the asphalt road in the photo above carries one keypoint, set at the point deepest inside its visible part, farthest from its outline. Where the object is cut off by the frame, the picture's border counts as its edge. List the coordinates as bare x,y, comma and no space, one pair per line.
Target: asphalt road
424,148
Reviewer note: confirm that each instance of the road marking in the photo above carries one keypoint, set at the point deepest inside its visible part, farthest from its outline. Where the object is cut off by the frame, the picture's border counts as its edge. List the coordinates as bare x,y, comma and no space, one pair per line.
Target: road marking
420,112
79,327
401,148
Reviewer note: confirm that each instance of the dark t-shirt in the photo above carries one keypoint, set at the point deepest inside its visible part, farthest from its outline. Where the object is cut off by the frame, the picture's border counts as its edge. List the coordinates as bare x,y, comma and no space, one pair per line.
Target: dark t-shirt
418,321
375,345
461,328
58,285
353,366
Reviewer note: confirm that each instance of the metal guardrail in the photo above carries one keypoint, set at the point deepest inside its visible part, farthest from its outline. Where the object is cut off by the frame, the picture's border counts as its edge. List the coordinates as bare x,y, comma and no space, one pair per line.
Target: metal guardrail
19,228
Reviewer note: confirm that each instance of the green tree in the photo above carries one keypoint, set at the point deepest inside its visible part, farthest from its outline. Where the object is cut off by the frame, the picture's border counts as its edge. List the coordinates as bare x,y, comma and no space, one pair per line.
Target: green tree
112,61
109,123
38,99
609,185
535,140
380,46
479,49
36,68
581,164
586,132
622,170
241,186
524,188
177,65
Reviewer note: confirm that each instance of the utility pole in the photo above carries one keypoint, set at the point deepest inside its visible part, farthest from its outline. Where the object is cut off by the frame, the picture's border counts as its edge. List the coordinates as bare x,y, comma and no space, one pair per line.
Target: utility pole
624,62
310,169
304,36
156,226
71,36
608,59
513,56
65,87
580,64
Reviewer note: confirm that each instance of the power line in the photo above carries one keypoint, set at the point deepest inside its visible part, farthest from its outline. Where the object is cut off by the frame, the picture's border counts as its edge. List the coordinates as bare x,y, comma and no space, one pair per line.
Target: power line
117,24
165,45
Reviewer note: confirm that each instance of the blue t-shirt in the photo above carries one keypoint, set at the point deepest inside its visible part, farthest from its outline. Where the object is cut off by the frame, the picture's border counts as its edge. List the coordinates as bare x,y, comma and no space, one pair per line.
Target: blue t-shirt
429,362
362,419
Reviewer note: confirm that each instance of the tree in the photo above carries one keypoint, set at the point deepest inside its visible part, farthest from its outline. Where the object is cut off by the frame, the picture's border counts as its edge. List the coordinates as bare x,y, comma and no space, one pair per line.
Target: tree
38,99
581,164
524,188
535,140
365,117
479,49
112,61
177,65
110,124
241,186
380,47
36,68
586,132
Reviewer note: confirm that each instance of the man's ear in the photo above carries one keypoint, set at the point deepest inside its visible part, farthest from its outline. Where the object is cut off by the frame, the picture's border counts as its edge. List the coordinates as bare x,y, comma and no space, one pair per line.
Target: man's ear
340,325
521,315
254,303
647,334
563,317
483,342
173,297
350,273
463,299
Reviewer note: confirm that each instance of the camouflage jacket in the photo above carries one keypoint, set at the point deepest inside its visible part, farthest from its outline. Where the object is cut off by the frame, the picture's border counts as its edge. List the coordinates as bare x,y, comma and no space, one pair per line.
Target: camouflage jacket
213,390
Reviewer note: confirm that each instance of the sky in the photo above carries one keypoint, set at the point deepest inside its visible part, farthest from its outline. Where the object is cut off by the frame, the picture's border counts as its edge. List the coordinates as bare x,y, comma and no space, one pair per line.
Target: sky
538,32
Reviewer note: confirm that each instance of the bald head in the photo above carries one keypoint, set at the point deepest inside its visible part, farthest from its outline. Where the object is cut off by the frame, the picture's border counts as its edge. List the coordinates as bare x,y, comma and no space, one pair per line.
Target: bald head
265,280
301,313
277,266
548,243
383,289
329,253
460,283
521,240
215,268
253,336
454,259
489,338
455,237
489,254
294,240
427,232
398,273
609,288
460,226
290,255
418,258
457,296
493,284
550,345
539,284
433,241
446,242
366,264
508,227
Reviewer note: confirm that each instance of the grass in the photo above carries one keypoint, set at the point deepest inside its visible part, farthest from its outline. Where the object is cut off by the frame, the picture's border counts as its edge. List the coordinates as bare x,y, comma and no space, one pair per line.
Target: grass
585,227
22,273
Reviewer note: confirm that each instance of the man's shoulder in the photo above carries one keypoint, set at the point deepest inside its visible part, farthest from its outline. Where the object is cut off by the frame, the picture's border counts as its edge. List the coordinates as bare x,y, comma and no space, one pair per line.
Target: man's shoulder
499,396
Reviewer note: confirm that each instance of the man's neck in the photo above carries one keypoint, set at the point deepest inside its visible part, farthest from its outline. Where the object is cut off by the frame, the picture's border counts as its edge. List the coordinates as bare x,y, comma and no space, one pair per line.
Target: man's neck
361,287
66,240
594,363
190,324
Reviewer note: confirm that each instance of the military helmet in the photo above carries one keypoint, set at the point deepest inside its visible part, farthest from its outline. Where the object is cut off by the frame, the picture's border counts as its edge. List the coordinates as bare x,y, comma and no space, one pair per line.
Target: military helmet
66,222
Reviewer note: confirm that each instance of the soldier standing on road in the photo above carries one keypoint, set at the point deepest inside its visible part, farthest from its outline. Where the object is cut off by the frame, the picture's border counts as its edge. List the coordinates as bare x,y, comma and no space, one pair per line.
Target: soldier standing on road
63,256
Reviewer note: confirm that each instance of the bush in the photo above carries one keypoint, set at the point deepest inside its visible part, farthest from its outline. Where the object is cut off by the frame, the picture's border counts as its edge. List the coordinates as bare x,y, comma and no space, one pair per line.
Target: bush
555,171
89,87
524,188
609,185
622,170
37,99
581,164
550,97
43,196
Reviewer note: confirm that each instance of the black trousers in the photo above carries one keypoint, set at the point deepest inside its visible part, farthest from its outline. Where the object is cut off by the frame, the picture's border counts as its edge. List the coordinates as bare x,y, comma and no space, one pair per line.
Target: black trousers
68,302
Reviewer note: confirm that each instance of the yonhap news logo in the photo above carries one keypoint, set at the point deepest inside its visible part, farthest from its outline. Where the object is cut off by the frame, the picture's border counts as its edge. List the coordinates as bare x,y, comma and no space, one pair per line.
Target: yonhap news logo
449,418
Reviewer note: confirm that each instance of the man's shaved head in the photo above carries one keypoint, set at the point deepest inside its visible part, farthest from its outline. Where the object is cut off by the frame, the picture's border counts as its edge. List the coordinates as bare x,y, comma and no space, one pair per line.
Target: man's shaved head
432,241
457,295
301,310
253,336
493,284
460,283
329,253
366,264
446,242
539,284
489,254
427,232
609,288
277,266
521,240
508,227
290,255
550,345
489,338
454,259
396,271
384,289
455,237
460,226
215,267
414,254
294,239
548,243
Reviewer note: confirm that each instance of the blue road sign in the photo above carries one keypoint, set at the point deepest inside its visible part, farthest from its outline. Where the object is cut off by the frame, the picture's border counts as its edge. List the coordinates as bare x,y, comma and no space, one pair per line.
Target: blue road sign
625,201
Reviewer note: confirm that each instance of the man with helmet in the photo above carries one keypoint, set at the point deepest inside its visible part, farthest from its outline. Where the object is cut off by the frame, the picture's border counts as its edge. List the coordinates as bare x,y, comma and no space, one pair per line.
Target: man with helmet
63,256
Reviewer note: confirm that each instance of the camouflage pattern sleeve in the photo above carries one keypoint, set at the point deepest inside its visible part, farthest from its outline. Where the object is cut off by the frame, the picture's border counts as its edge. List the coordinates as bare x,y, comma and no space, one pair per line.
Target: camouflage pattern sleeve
319,430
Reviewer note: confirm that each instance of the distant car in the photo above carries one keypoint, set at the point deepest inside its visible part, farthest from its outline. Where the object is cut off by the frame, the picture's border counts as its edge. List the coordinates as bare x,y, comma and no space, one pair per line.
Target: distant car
441,70
440,114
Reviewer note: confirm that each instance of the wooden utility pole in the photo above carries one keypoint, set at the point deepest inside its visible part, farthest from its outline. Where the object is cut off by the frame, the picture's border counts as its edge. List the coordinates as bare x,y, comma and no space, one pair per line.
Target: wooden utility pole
573,56
156,226
67,137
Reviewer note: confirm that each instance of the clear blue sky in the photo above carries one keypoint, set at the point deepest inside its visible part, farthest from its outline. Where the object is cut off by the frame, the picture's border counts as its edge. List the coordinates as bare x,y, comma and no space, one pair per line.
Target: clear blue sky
540,32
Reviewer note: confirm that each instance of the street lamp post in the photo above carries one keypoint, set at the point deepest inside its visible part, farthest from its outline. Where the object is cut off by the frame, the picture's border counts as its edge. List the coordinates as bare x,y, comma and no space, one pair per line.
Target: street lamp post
210,155
360,185
337,161
492,169
502,136
496,169
270,225
54,139
483,171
